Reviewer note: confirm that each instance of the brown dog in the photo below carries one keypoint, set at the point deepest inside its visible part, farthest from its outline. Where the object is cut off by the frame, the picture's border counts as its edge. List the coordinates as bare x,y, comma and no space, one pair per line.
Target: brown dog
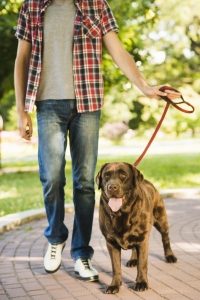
129,206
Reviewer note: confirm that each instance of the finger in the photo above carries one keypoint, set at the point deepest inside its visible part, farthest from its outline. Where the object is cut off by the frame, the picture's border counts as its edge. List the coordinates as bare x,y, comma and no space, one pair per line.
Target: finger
24,134
161,93
28,131
27,137
171,97
172,92
31,130
30,127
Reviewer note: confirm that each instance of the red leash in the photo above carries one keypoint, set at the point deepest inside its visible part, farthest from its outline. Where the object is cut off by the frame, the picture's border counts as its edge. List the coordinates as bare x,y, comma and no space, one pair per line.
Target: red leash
173,103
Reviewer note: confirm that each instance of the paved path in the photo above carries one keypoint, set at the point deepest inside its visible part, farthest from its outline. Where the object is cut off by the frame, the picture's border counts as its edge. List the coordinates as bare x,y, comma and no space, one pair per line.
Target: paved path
22,275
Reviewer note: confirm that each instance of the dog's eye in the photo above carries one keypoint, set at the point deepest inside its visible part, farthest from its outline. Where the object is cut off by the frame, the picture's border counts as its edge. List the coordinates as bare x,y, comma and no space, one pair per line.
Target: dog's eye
107,176
123,176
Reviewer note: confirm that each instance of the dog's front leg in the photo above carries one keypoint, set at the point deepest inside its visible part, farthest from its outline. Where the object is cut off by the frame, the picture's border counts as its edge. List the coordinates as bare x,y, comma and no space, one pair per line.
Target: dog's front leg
132,262
141,280
115,255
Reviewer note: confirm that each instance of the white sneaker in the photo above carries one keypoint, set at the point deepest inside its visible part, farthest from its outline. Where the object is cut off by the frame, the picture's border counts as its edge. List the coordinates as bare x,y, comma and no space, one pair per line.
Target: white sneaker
52,259
83,267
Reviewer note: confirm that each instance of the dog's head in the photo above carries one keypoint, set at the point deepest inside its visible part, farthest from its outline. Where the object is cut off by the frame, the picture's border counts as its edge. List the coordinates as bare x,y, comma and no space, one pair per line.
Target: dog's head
117,181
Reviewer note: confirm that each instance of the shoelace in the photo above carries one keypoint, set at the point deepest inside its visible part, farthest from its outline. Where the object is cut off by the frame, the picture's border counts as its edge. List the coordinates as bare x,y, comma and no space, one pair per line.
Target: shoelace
86,263
53,251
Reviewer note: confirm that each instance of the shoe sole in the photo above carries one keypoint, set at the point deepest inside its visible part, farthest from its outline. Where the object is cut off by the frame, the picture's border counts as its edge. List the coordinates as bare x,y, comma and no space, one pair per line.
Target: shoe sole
53,271
50,272
92,278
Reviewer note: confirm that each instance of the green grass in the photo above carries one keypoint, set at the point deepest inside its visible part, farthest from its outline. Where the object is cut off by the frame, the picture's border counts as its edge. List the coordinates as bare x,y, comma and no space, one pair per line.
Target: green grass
22,190
19,164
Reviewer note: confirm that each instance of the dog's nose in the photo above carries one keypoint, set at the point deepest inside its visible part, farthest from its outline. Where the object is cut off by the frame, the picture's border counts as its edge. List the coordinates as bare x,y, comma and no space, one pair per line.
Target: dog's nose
113,187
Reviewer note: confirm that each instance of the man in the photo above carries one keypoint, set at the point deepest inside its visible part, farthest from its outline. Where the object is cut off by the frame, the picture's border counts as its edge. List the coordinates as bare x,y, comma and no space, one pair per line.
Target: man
57,68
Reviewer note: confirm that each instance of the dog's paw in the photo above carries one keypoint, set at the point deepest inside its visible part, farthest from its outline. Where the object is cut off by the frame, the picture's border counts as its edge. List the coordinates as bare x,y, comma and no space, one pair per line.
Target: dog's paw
112,289
171,259
141,286
131,263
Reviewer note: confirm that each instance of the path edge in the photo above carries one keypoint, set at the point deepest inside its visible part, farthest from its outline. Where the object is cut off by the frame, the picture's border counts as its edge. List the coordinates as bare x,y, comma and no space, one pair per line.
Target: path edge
11,221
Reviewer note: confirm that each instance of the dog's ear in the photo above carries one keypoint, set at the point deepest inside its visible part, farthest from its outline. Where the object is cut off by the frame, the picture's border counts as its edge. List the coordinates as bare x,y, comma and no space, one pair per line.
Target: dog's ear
137,175
99,177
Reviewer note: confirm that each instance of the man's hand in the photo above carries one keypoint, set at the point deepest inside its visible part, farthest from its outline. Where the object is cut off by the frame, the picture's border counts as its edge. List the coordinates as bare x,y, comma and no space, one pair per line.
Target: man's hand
154,92
25,125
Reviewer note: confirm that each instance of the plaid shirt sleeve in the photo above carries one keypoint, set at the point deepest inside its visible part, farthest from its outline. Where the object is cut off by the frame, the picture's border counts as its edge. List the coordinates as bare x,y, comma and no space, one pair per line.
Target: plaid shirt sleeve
108,21
23,27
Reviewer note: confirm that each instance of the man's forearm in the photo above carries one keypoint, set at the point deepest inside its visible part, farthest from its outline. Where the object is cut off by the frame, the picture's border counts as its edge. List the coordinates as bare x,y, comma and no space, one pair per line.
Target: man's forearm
128,66
124,60
20,81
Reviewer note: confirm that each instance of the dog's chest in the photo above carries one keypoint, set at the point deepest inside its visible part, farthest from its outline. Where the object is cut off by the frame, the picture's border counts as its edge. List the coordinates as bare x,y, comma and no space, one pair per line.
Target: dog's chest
128,230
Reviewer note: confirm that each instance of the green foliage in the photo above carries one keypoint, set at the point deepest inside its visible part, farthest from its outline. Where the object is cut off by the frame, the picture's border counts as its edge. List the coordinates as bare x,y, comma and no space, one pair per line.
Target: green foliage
136,111
7,102
193,33
166,49
164,39
135,19
8,20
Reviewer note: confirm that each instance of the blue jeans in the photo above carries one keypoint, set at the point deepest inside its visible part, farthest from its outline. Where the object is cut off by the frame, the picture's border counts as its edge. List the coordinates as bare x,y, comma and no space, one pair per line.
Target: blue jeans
57,118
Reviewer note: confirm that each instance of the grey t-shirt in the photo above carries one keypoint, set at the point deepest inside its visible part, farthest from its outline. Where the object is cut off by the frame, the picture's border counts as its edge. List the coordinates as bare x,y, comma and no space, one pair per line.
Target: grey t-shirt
57,63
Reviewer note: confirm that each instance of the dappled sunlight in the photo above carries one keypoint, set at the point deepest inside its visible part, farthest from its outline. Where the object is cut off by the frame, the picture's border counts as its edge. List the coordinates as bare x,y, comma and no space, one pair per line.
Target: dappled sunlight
171,212
22,258
191,178
162,37
188,247
8,194
13,149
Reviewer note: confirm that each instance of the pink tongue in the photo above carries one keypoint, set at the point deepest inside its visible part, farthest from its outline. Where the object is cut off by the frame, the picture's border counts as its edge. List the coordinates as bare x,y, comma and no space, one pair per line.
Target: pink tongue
115,203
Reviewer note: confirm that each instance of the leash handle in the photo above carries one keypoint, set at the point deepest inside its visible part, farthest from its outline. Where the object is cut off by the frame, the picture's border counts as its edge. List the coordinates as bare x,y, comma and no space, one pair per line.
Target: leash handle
176,105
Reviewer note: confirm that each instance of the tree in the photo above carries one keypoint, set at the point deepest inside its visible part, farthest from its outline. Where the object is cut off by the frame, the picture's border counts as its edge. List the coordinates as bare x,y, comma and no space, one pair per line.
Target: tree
163,37
8,19
165,47
135,19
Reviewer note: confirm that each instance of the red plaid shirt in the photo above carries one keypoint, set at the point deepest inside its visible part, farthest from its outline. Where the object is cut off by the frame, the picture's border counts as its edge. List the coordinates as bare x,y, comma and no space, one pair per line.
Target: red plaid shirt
93,19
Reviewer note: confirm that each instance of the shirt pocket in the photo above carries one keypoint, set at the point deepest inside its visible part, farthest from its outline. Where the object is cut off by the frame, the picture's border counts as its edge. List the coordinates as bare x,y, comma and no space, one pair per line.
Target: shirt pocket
91,26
